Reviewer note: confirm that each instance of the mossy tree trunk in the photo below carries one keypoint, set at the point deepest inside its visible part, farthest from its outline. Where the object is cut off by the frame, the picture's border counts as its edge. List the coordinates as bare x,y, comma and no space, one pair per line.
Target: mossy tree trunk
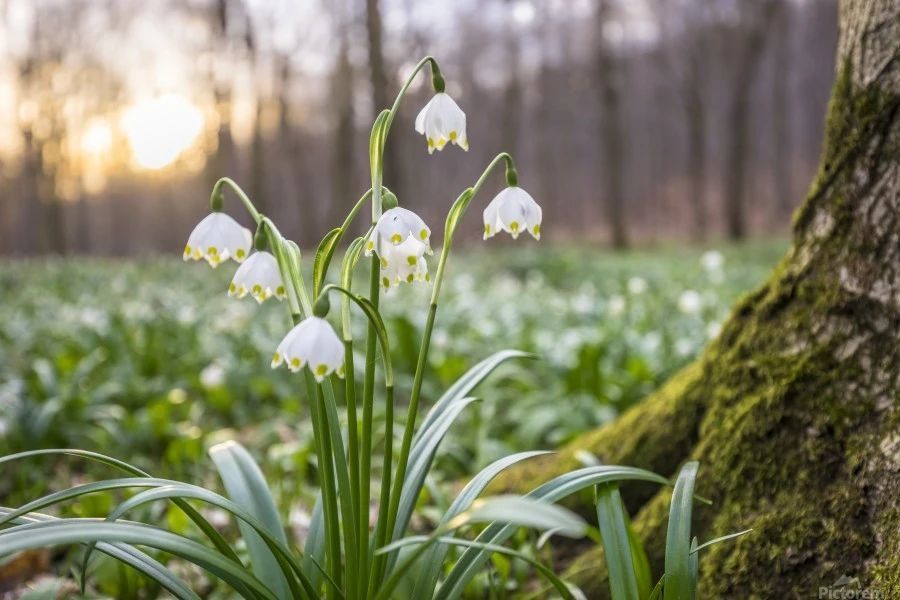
794,411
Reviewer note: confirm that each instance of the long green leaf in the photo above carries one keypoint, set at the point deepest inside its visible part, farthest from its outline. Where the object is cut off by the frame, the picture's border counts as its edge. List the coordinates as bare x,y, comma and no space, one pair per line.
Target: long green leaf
434,559
562,587
81,490
82,531
524,512
314,547
611,517
465,384
286,559
247,487
208,530
421,458
552,491
678,584
639,559
129,555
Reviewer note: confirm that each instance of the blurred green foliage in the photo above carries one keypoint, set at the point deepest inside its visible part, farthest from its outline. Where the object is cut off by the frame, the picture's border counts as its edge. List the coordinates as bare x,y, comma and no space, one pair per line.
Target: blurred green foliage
151,362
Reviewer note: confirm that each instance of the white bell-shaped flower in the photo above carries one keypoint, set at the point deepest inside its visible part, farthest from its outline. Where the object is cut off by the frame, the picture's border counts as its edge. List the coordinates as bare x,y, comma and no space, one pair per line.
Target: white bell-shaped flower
311,343
258,276
395,227
403,263
442,121
513,210
217,238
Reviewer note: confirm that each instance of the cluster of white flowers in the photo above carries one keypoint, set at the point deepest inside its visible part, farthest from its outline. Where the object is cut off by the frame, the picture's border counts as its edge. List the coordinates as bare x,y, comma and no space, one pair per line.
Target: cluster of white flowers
400,239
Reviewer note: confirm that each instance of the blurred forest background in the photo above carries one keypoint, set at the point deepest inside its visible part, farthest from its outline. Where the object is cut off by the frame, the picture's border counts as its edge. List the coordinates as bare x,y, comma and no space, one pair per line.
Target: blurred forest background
632,121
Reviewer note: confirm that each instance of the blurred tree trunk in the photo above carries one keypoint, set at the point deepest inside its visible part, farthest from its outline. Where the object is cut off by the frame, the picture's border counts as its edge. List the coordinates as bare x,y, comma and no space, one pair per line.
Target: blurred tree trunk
511,109
696,155
258,171
781,111
342,164
381,98
738,151
548,120
612,136
794,410
222,163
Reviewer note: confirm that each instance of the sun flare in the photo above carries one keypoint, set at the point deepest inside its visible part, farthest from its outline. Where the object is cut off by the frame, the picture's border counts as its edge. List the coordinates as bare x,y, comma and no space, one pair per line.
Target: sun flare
160,129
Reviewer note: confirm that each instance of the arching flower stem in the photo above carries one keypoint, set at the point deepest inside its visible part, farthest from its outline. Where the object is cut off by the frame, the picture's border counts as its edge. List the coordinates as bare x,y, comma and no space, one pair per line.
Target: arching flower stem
216,198
377,142
453,217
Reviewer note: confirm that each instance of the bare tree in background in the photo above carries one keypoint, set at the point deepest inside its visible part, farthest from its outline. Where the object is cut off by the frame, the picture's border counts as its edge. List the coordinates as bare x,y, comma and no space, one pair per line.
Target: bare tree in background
511,109
612,135
342,91
220,21
781,110
381,82
685,56
756,16
258,162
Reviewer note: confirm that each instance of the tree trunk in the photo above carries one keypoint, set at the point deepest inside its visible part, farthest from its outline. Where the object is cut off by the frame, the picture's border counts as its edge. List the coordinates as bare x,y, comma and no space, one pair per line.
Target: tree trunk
738,151
696,124
380,99
342,167
781,112
612,137
794,411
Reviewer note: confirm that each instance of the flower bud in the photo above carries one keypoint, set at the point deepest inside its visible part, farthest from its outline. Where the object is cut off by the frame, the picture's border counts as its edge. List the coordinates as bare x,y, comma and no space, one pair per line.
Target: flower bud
322,306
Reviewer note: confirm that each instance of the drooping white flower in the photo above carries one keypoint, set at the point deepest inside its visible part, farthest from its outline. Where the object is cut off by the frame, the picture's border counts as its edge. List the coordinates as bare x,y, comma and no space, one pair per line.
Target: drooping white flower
712,260
442,121
512,210
403,263
217,238
616,305
311,343
394,227
258,276
637,285
690,302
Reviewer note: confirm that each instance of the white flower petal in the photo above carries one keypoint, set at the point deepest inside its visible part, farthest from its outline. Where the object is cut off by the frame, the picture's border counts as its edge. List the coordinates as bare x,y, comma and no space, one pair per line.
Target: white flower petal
311,343
513,210
442,121
217,238
259,276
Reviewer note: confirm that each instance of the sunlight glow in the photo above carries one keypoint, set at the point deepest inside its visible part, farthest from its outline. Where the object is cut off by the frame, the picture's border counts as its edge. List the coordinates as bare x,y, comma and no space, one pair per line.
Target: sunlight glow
97,138
160,129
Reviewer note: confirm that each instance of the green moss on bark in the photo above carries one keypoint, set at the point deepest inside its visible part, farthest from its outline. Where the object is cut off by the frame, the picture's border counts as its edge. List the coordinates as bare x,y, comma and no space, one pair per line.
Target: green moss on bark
792,412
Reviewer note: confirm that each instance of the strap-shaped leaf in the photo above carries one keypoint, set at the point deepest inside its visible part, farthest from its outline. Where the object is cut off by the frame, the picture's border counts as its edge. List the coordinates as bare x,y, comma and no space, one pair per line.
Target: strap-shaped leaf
611,519
552,491
566,590
247,487
129,555
314,548
420,459
679,580
83,531
523,512
286,559
434,558
465,384
208,530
